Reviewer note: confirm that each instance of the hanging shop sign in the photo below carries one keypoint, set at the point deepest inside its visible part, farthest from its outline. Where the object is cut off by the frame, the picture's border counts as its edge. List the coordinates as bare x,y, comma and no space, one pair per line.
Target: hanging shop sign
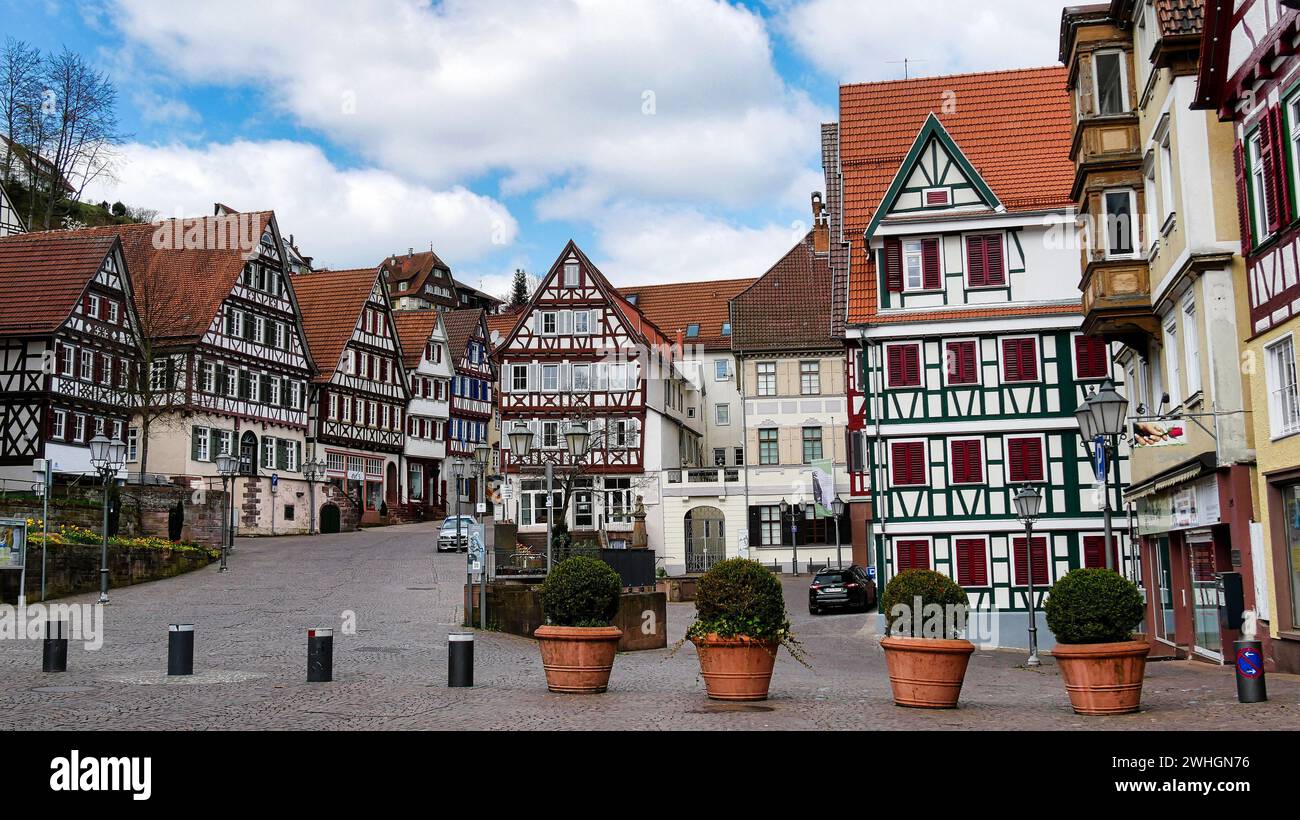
1162,433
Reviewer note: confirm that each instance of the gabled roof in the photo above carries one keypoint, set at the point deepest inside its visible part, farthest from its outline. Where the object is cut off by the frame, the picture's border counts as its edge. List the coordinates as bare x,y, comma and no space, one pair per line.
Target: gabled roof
331,302
1014,127
179,287
787,308
414,329
674,308
461,325
500,325
416,268
42,277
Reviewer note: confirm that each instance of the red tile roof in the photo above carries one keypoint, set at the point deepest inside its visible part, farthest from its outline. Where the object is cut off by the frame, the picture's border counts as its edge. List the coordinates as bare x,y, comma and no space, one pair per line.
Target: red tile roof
416,268
331,302
1180,17
461,325
178,286
414,329
787,308
674,308
42,277
502,325
1014,127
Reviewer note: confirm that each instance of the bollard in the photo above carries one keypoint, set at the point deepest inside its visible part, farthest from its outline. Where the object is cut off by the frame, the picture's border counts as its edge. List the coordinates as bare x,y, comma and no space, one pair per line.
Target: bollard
54,655
320,655
180,649
1250,671
460,659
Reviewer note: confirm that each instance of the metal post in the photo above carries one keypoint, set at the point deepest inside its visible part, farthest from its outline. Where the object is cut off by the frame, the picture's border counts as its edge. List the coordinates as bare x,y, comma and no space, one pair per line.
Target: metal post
794,538
180,649
103,555
458,477
320,655
311,502
45,521
1033,612
1250,671
1119,496
839,550
54,654
1106,512
550,512
482,573
227,485
460,659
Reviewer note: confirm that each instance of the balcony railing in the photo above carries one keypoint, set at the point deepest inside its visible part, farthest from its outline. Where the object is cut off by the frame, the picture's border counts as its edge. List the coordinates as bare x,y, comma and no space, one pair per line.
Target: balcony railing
719,475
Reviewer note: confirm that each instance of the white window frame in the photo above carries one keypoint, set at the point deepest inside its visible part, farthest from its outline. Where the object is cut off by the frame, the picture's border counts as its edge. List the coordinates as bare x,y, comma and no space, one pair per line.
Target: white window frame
87,369
979,365
1135,230
571,274
59,428
722,414
554,319
515,382
984,465
204,438
1006,459
1038,355
915,249
545,428
1168,208
585,386
721,370
1282,421
759,378
816,376
581,323
925,450
550,378
1123,82
1173,362
1257,184
1191,346
133,444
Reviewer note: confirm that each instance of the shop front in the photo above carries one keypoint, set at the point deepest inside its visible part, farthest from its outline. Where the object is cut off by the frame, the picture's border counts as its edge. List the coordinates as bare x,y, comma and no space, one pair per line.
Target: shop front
1195,536
1283,652
361,477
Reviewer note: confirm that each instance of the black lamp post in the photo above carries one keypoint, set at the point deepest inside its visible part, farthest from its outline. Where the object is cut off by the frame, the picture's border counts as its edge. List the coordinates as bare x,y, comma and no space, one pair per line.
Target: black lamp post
795,510
228,466
107,457
1029,500
837,507
313,470
1101,421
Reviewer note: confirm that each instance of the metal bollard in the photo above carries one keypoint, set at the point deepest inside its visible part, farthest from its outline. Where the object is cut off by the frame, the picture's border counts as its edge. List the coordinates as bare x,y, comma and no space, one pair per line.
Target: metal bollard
54,654
180,649
460,659
1250,671
320,655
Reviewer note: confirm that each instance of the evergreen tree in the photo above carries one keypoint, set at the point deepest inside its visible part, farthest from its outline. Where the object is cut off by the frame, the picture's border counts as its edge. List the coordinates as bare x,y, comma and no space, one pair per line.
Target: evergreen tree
519,290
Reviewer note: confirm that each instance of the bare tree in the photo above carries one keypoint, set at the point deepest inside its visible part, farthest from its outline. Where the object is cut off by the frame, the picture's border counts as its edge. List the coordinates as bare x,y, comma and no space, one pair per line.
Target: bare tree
157,387
20,71
79,145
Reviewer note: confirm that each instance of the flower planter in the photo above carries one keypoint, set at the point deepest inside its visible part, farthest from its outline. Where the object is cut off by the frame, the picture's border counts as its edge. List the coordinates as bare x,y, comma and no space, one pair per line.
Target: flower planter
578,659
926,672
1103,678
738,668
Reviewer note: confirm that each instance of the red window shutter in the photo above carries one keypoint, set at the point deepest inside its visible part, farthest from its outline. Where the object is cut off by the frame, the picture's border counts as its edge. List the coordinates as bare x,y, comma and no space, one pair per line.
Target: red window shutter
961,363
1091,357
967,467
1039,557
912,365
995,260
1243,199
976,262
894,265
1019,360
1268,155
913,555
930,264
895,365
1278,134
902,468
1093,555
909,463
1024,459
972,563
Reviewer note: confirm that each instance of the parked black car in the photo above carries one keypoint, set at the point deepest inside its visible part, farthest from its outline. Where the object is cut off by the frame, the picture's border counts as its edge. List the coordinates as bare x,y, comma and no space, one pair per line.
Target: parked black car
847,588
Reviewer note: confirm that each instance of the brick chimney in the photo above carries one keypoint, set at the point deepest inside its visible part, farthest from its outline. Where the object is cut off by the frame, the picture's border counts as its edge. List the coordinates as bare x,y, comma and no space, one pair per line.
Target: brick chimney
821,231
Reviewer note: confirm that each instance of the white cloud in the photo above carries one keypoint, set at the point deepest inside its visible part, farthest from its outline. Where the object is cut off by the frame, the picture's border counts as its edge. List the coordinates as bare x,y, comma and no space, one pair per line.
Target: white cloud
343,218
643,245
652,99
855,41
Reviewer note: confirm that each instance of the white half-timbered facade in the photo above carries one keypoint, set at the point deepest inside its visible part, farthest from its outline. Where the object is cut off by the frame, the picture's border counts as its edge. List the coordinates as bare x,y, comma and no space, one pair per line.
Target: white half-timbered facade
10,222
360,395
473,396
67,350
581,352
429,372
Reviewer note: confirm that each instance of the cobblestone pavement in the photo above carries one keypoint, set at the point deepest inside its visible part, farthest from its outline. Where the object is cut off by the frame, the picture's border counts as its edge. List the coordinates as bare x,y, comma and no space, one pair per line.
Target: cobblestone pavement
250,663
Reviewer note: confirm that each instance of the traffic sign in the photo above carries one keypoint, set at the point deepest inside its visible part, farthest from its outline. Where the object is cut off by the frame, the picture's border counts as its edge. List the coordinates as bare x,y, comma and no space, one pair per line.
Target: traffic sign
1099,458
1249,663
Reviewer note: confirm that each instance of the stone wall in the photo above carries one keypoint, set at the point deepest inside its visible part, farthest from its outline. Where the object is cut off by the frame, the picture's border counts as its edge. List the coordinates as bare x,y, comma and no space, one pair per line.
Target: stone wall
72,569
145,509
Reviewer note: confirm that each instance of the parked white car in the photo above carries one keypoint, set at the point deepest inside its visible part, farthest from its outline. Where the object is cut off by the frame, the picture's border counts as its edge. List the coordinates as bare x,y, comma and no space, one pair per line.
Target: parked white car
447,537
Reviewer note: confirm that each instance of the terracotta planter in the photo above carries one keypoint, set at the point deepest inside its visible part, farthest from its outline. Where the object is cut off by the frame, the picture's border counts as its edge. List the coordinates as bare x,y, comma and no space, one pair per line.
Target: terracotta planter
578,659
926,672
1103,678
738,668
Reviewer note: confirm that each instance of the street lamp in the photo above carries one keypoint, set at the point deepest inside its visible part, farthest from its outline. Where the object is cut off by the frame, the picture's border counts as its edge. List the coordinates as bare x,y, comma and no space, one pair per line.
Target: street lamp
577,437
794,511
1028,502
228,466
837,507
107,457
313,469
519,441
1101,421
482,452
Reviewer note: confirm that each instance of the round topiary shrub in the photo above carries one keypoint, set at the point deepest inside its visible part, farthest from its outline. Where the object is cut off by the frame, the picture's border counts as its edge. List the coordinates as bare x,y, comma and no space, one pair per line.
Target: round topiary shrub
909,593
740,597
1093,606
581,591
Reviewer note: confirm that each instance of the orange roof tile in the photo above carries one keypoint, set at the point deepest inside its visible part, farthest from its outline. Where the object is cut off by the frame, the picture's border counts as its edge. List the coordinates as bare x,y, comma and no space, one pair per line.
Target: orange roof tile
502,324
1014,127
414,329
42,276
461,325
676,307
331,303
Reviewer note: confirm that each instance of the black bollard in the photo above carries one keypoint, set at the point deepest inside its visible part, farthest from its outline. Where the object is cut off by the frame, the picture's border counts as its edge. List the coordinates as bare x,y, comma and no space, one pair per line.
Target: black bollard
180,649
54,655
320,655
1250,671
460,659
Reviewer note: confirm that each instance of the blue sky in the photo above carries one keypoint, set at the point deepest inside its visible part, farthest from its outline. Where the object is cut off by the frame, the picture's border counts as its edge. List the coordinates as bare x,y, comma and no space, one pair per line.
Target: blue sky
675,140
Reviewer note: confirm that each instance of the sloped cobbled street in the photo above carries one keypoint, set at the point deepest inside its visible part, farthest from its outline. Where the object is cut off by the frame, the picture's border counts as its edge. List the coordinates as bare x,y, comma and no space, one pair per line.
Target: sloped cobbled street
250,663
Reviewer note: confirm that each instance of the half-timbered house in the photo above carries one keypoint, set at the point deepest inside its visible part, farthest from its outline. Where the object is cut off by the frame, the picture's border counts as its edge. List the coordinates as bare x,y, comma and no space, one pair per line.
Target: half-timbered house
10,222
224,367
427,357
359,396
419,281
581,352
965,360
473,402
67,350
1249,77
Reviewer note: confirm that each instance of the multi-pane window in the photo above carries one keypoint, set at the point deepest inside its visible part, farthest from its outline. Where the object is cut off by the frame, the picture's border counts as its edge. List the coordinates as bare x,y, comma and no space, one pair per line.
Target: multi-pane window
87,365
769,522
739,456
550,323
551,377
908,462
59,428
721,370
768,448
133,444
1259,186
766,378
719,457
581,322
812,444
551,434
1284,404
581,378
810,378
722,414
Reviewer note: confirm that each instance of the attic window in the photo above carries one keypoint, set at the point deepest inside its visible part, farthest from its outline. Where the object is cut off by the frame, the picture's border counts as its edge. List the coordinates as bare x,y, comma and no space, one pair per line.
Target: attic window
571,274
692,331
631,299
726,328
938,197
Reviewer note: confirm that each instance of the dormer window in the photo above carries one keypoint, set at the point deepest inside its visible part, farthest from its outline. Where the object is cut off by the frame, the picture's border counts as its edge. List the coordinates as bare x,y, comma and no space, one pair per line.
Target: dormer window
726,328
938,197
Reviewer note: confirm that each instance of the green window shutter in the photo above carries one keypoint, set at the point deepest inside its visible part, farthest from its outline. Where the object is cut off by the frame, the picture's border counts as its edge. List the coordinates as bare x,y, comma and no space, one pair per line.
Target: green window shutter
281,452
214,444
297,447
194,443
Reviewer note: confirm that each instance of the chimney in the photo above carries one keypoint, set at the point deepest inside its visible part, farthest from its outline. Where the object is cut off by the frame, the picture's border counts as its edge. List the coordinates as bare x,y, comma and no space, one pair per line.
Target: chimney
410,252
821,231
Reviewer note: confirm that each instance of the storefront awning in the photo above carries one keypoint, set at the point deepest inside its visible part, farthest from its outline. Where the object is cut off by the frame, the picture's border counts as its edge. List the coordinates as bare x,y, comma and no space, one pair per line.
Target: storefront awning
1154,486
